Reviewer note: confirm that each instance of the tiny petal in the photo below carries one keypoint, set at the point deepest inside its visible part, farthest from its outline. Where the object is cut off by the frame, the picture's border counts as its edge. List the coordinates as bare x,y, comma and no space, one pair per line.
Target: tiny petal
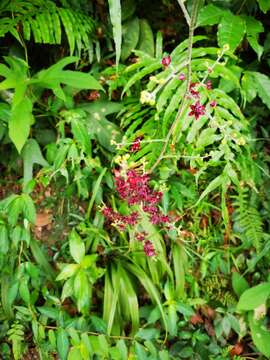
209,85
197,110
136,145
182,77
149,248
166,61
213,103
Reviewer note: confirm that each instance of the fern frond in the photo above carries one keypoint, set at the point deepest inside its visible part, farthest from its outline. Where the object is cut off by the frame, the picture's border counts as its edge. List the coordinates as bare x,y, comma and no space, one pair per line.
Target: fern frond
44,21
16,336
247,219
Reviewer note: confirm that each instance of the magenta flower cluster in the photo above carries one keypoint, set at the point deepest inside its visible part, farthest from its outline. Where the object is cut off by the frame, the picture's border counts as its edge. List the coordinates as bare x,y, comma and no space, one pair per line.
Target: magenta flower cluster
136,145
134,188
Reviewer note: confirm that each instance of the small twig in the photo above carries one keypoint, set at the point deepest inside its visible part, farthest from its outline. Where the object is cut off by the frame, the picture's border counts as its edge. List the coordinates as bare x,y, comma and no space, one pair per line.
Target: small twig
181,108
185,12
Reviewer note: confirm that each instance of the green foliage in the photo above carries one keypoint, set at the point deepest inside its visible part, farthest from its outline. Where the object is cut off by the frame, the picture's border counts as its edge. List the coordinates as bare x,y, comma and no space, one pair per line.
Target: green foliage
16,78
45,21
87,273
232,28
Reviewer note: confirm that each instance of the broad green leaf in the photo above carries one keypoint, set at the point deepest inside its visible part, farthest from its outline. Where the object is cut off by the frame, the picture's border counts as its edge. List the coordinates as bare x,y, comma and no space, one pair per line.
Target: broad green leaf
172,318
20,121
41,258
130,30
51,313
146,40
231,31
15,208
67,289
128,9
62,343
74,354
68,271
262,84
121,346
81,135
78,80
24,291
82,291
264,5
54,76
76,246
260,335
115,15
254,297
98,126
209,15
147,334
213,185
254,28
29,209
31,155
4,239
248,87
239,284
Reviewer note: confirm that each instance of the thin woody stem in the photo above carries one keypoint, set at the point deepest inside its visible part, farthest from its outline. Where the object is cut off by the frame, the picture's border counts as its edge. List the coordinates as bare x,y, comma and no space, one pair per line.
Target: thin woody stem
185,12
192,25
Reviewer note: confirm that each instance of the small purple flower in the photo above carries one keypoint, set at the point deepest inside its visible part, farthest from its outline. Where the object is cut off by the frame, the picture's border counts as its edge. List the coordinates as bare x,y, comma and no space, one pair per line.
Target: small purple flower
149,248
182,77
193,91
166,61
213,103
197,110
141,236
136,145
209,85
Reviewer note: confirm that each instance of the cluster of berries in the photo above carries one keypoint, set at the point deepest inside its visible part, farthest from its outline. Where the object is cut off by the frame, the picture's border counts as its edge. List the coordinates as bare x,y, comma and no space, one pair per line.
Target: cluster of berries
134,188
196,109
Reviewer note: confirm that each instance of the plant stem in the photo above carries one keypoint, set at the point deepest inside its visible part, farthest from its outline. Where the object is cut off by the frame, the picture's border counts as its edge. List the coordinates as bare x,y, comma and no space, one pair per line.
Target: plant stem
185,12
192,24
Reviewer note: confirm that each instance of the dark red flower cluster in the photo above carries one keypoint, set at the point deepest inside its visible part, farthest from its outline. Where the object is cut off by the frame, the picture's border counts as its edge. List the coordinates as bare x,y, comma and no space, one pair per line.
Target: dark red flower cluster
209,85
166,61
149,248
135,189
197,110
141,236
156,217
193,90
136,145
120,220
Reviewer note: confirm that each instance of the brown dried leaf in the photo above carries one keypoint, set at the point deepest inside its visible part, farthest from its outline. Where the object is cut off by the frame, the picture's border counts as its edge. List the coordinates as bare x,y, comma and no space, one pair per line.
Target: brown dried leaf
196,319
237,349
43,219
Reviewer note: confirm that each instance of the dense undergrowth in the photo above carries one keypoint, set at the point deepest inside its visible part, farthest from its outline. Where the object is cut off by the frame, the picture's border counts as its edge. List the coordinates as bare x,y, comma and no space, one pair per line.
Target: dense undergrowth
134,190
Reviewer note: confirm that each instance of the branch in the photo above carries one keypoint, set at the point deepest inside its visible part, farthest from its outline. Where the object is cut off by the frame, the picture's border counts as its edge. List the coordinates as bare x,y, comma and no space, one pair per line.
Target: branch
192,25
185,12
